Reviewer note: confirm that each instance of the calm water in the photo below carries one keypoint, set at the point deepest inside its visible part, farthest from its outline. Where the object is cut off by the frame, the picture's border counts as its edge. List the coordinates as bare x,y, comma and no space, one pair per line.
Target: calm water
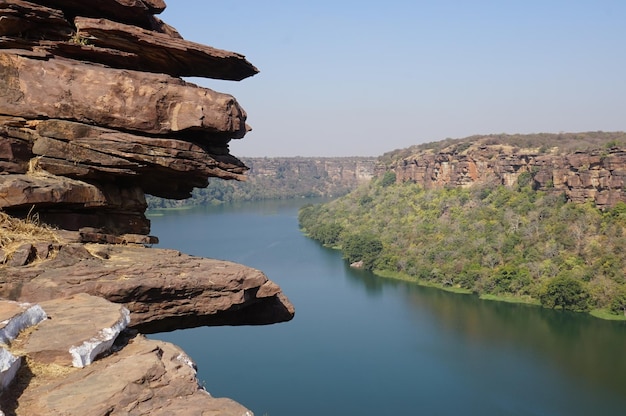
361,345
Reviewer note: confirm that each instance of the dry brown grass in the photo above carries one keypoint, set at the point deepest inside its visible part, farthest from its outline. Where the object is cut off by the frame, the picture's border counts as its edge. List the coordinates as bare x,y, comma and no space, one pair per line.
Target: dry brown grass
35,169
14,232
31,375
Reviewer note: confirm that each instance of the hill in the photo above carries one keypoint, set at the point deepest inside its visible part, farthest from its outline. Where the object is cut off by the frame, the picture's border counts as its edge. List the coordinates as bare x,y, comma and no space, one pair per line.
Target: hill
502,231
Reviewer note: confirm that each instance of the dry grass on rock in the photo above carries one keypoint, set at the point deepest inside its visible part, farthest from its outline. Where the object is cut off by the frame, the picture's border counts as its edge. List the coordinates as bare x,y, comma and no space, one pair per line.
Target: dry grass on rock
14,232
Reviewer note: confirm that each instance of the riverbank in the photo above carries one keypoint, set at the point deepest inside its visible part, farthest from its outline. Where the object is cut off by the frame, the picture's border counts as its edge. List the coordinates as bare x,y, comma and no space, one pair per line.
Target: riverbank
370,346
527,300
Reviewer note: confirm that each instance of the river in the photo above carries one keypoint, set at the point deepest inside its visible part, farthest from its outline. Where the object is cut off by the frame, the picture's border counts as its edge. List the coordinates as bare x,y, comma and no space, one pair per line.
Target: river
362,345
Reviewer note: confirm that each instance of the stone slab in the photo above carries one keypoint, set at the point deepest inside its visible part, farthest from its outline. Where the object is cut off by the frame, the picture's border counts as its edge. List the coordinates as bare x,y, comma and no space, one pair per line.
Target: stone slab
78,329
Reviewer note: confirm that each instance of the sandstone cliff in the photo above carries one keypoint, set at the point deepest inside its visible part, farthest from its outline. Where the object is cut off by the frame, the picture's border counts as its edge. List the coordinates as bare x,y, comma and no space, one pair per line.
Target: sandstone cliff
584,166
94,115
77,107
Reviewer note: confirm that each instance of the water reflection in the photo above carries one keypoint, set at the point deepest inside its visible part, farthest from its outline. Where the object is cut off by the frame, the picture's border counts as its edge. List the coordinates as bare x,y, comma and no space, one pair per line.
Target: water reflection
585,348
360,344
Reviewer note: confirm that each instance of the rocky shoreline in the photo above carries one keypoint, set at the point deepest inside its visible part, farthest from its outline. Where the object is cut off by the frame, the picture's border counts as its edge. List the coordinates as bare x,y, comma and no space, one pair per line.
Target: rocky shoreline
94,115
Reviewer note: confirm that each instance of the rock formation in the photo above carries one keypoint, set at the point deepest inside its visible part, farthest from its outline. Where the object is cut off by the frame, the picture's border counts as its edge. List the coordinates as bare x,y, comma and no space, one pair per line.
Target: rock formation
597,175
131,376
93,112
94,115
163,289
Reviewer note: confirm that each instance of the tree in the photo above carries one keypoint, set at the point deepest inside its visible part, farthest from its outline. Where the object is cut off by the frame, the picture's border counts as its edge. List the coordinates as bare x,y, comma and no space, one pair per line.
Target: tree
363,247
566,292
389,178
618,304
328,234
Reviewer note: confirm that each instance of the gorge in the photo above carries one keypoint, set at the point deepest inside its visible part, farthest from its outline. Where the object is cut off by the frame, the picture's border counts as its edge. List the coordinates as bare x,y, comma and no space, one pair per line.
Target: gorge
94,116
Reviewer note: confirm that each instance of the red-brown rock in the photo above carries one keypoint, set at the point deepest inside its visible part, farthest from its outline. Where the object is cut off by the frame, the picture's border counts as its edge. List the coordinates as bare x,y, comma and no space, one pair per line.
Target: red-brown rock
146,377
137,12
596,175
155,52
163,289
33,21
128,100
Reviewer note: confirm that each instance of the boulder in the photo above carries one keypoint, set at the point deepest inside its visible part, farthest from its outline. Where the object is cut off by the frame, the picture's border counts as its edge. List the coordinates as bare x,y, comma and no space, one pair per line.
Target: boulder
78,329
74,363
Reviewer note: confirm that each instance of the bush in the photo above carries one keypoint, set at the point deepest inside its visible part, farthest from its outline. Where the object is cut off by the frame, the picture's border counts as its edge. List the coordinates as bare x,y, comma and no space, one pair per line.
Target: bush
566,292
389,178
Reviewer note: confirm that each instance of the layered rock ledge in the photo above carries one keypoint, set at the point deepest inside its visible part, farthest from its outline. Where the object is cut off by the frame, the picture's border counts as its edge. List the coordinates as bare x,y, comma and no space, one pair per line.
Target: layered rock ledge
93,94
163,289
94,115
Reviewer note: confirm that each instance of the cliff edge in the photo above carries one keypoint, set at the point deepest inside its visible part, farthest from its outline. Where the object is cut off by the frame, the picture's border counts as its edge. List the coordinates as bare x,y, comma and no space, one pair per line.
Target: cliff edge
587,166
94,115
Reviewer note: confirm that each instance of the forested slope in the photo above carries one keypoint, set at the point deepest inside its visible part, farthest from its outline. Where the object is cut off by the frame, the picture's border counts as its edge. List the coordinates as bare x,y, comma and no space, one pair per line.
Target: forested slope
490,239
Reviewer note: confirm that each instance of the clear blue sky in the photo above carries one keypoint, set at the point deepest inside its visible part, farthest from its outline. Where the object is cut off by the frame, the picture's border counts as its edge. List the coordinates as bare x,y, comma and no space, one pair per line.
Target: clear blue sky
344,78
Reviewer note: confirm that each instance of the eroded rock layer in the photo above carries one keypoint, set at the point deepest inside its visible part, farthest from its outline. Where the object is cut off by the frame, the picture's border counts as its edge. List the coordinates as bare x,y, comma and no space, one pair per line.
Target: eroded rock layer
94,116
93,93
163,289
74,356
595,175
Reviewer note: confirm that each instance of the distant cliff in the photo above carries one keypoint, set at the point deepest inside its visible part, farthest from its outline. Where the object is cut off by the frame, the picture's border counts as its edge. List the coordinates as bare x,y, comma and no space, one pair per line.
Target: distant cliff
284,178
585,166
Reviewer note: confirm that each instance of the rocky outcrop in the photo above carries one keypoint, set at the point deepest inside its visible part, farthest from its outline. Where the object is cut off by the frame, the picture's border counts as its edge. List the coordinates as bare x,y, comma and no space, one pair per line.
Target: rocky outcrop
597,175
94,116
94,94
73,362
162,289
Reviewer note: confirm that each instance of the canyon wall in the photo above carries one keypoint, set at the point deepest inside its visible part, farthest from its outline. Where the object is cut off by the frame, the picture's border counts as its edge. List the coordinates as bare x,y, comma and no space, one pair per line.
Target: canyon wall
597,175
283,178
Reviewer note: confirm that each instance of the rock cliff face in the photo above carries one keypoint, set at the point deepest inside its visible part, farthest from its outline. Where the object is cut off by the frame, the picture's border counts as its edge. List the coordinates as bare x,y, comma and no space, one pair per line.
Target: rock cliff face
337,173
597,175
93,113
94,116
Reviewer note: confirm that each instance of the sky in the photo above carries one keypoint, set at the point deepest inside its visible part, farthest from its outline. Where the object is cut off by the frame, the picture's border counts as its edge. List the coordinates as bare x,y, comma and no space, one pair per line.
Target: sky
361,78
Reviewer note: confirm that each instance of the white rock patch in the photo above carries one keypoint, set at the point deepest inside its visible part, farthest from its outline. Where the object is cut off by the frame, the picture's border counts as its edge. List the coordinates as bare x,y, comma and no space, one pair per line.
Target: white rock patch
85,353
31,316
9,364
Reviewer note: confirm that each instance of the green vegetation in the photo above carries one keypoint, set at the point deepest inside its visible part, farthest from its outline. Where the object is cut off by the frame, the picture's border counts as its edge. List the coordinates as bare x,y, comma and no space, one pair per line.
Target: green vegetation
497,242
